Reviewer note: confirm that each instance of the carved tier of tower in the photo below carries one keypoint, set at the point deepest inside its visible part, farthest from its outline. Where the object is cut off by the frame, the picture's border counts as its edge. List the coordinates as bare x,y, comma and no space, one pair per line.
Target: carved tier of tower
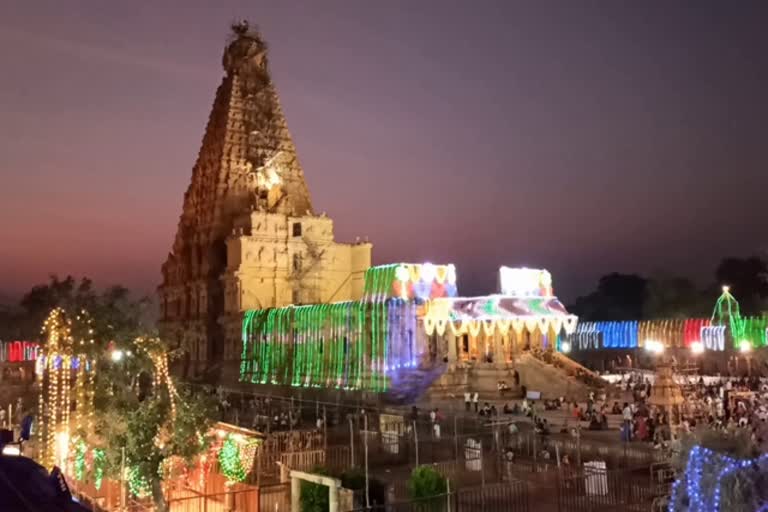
247,237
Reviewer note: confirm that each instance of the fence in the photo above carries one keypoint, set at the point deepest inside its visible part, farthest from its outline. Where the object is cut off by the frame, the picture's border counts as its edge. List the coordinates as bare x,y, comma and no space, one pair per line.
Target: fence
506,497
236,501
606,491
106,497
334,459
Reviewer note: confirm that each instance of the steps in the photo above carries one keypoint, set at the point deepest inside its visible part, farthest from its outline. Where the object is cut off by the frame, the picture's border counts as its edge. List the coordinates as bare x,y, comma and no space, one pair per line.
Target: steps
408,385
555,380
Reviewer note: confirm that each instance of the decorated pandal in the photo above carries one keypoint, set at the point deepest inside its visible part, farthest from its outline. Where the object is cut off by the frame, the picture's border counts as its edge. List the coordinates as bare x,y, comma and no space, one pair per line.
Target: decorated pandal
726,328
409,317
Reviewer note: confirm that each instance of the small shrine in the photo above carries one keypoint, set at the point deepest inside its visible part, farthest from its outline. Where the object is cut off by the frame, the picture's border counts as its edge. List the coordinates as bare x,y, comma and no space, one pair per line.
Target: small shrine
666,394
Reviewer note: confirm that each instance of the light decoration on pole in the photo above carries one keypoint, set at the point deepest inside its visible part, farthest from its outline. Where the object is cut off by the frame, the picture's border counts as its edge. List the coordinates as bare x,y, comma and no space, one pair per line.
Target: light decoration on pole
697,347
745,346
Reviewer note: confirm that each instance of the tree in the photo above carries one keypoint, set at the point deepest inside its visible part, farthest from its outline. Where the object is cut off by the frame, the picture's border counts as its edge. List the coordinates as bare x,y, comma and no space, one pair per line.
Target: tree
138,410
141,411
314,497
740,489
617,297
426,482
676,297
114,312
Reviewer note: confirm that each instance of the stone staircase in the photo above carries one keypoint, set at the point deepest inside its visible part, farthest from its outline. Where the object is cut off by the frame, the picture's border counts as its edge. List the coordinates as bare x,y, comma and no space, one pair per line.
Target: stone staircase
408,385
560,376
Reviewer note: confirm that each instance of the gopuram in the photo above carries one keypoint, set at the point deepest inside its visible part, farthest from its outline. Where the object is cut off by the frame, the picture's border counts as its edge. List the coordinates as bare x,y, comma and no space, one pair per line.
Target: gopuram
256,291
248,236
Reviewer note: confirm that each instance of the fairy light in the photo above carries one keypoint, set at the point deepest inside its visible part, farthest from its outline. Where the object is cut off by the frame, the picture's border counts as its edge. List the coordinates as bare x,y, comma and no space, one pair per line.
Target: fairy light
699,498
236,456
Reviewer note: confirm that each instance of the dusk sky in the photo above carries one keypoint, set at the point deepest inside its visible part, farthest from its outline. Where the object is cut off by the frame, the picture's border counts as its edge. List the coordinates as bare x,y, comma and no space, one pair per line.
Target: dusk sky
581,137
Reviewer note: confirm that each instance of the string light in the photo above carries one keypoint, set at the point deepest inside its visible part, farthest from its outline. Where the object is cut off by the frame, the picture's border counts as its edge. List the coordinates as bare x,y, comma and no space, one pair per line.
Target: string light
707,498
236,457
713,337
137,484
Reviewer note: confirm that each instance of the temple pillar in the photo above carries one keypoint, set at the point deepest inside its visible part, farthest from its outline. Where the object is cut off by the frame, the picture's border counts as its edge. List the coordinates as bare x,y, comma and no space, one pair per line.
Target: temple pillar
452,355
499,358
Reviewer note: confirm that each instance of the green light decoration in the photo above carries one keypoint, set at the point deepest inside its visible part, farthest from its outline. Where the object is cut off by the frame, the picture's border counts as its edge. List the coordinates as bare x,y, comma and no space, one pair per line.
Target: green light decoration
229,461
747,332
754,330
81,449
345,345
137,484
726,312
99,461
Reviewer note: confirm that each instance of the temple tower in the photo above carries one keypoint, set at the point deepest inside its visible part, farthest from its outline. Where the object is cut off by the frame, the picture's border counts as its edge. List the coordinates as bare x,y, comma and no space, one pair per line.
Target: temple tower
247,236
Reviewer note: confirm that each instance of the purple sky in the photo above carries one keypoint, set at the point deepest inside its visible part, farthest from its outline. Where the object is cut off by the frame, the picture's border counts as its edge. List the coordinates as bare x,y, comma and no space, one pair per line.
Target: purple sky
583,137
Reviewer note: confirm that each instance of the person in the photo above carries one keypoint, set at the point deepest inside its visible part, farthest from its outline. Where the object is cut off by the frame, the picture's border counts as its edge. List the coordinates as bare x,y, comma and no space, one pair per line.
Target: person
566,461
467,400
616,408
517,378
433,416
414,413
626,415
493,412
475,400
513,429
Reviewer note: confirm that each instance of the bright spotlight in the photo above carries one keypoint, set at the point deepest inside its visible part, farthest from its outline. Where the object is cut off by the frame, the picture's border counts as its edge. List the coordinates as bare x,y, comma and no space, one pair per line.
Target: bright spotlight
697,347
654,346
117,355
565,347
745,346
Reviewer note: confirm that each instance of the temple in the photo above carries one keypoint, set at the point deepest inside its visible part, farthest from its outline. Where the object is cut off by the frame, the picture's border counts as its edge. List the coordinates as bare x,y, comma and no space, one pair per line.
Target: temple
410,332
248,236
256,288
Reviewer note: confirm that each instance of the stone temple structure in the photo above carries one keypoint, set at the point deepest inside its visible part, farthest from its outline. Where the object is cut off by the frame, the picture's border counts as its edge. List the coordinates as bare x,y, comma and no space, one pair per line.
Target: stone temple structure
256,290
248,237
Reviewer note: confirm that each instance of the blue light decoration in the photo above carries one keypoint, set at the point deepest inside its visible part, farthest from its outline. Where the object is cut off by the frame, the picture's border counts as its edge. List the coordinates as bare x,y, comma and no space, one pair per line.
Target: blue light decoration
586,336
57,362
713,337
706,498
618,334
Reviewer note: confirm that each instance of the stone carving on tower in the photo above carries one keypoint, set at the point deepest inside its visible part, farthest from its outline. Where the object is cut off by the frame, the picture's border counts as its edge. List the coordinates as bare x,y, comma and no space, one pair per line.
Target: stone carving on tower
247,236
